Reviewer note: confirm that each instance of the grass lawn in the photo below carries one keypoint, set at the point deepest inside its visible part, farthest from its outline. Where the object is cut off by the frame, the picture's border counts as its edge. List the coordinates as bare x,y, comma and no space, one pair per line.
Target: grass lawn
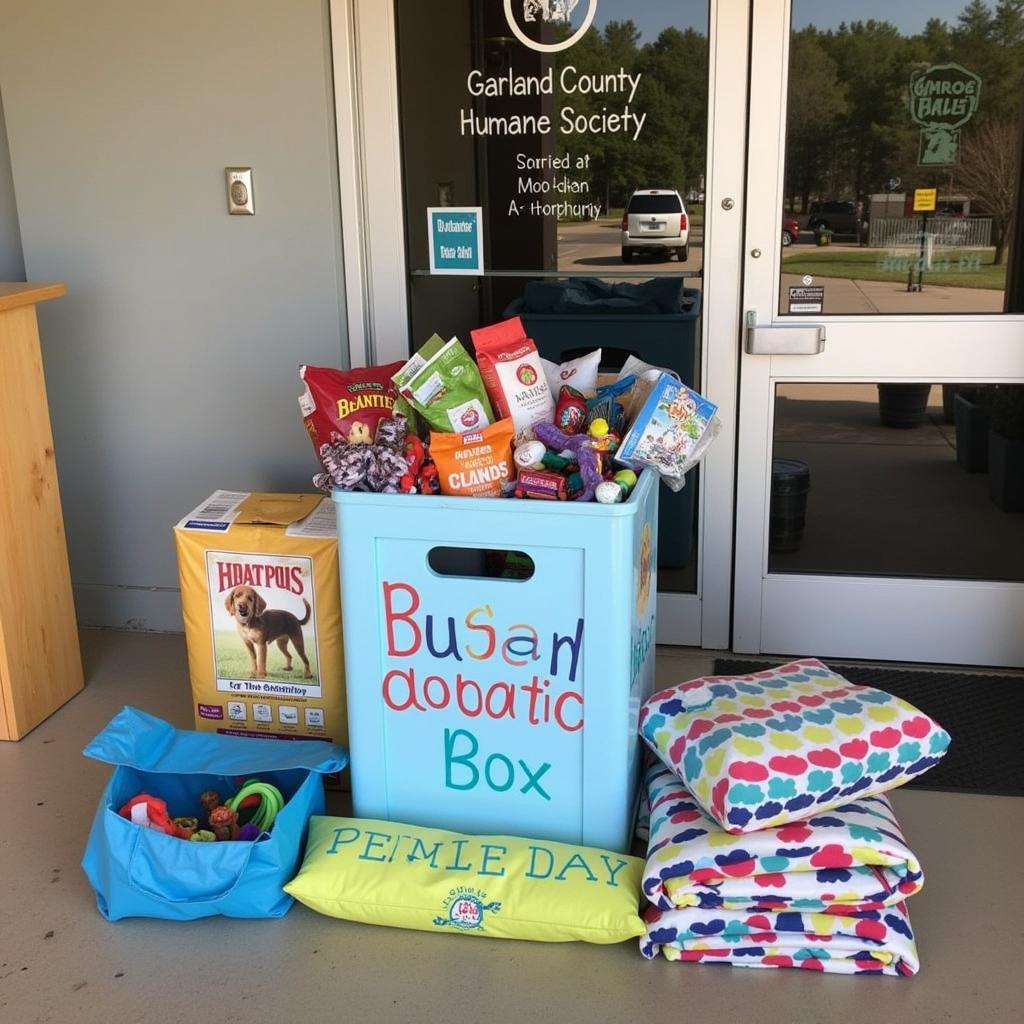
233,661
958,268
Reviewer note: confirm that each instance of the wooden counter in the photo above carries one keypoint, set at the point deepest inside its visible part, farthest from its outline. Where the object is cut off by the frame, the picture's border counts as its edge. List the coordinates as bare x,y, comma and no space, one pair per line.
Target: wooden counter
40,663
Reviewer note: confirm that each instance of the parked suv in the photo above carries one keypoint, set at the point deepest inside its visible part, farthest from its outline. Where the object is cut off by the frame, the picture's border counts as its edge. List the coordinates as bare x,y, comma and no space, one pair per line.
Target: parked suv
655,221
839,216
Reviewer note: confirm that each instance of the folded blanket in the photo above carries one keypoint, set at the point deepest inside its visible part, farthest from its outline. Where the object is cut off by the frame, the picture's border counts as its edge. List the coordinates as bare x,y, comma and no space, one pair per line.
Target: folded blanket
865,942
851,858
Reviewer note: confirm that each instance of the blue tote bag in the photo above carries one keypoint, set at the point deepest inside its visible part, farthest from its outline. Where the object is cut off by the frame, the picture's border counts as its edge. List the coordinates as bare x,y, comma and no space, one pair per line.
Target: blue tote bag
141,872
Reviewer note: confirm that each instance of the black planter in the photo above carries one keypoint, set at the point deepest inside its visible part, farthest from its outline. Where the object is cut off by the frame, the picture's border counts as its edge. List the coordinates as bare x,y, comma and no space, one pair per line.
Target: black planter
903,405
1006,472
971,434
791,482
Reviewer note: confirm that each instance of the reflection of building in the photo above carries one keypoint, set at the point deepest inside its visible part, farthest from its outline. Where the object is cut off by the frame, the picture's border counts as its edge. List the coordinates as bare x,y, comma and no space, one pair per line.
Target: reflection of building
893,222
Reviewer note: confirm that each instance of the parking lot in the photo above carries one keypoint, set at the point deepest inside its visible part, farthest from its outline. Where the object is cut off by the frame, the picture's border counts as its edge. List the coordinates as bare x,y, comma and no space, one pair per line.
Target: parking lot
594,247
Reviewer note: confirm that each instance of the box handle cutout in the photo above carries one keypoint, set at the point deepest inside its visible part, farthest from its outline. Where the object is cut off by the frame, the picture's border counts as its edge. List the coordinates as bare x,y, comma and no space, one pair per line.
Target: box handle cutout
481,563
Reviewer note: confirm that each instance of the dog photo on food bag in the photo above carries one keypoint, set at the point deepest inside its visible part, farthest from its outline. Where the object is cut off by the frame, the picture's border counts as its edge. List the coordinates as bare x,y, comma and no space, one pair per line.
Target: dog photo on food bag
259,631
259,626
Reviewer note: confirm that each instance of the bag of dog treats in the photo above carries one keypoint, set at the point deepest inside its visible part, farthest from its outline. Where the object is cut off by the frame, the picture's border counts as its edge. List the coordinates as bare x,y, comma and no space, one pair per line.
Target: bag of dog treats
476,464
416,362
346,403
442,383
513,375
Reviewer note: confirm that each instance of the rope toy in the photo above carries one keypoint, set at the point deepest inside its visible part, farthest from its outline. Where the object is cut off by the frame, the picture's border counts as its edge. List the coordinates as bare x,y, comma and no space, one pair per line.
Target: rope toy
363,466
267,800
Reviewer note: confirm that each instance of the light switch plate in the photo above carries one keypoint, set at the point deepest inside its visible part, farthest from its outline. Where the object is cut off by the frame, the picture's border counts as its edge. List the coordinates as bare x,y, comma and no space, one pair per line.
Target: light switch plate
239,185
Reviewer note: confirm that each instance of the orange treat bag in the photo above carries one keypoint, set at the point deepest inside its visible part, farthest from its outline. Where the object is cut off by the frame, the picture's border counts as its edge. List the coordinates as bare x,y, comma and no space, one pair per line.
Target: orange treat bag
477,464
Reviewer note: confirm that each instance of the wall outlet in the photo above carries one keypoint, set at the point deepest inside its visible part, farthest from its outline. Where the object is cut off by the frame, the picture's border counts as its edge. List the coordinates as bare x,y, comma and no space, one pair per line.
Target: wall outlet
239,184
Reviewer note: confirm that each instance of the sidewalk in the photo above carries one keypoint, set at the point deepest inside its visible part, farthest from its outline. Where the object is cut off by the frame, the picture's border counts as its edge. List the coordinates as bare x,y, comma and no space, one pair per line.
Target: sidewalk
845,296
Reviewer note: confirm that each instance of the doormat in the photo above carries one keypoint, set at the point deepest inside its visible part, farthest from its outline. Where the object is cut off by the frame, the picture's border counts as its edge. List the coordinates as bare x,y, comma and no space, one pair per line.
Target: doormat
984,715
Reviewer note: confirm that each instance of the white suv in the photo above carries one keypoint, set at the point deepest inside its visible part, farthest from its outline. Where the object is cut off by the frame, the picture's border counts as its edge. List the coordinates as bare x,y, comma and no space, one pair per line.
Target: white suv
655,220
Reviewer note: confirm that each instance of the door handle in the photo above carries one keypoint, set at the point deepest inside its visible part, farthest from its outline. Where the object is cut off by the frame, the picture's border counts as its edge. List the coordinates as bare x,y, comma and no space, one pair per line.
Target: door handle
783,339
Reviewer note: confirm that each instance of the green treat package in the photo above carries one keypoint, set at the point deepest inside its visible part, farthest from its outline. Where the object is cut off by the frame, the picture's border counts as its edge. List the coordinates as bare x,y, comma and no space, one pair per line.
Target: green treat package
409,370
417,361
442,383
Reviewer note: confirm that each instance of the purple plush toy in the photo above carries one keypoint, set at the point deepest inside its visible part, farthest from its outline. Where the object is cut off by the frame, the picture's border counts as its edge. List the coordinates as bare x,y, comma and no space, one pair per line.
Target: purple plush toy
582,446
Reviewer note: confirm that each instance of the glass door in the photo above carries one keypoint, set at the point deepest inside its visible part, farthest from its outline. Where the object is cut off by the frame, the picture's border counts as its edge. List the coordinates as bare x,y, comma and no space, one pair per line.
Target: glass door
599,147
880,477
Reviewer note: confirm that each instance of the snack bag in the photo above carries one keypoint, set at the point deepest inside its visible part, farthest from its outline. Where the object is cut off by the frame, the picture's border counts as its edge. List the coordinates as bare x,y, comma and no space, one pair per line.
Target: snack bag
671,432
346,403
417,361
645,376
513,375
477,464
443,384
579,373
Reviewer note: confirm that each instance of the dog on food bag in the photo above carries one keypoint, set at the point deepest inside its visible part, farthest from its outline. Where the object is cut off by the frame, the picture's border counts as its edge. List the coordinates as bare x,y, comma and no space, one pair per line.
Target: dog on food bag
259,627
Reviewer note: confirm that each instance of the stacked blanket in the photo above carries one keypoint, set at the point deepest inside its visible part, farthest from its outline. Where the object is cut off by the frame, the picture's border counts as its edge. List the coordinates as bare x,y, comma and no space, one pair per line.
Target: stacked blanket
825,893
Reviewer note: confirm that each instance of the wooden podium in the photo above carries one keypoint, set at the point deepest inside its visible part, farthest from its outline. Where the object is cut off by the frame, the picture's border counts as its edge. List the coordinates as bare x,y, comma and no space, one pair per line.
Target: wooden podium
40,662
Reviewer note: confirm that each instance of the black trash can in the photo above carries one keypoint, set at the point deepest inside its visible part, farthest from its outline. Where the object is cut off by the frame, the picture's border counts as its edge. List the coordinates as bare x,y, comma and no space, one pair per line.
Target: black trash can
903,406
666,339
791,483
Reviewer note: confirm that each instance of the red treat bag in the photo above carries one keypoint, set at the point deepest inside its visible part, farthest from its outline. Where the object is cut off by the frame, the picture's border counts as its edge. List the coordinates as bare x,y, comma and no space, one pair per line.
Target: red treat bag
514,376
346,405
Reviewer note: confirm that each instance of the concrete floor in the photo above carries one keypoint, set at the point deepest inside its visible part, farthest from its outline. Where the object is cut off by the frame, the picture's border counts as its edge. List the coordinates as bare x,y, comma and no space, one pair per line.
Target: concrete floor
61,962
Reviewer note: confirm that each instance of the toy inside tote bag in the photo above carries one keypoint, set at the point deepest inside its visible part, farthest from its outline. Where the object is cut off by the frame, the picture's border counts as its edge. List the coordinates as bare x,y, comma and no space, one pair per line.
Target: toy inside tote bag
242,804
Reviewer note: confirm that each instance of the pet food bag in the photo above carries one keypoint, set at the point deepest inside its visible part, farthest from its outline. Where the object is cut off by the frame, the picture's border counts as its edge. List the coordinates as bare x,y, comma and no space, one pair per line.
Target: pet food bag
142,872
260,598
347,405
442,383
513,374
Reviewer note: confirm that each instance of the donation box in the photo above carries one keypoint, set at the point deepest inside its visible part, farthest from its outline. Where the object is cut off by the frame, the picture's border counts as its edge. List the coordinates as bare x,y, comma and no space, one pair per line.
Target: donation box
497,653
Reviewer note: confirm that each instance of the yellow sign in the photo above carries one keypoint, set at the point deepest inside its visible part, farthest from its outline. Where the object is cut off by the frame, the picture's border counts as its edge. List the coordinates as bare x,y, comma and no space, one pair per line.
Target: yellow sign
924,199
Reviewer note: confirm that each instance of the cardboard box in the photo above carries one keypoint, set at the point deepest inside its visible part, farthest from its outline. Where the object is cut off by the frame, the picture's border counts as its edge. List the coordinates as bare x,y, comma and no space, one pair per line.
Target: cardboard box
262,607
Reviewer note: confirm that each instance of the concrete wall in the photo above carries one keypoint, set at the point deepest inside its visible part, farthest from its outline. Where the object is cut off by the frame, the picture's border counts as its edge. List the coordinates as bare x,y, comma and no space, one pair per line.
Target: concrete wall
12,263
172,363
